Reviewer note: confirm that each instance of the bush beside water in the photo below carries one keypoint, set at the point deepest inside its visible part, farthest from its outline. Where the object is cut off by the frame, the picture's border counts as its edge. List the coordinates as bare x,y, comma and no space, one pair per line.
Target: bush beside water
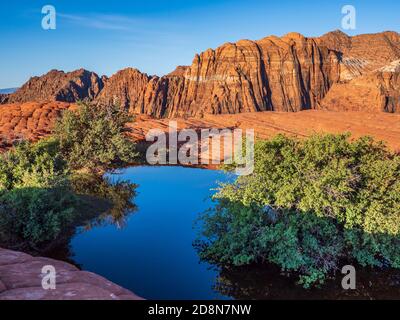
40,193
309,206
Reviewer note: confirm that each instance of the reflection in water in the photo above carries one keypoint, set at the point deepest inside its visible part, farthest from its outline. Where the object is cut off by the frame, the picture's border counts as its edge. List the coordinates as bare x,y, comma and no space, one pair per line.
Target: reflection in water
151,253
102,202
118,197
267,283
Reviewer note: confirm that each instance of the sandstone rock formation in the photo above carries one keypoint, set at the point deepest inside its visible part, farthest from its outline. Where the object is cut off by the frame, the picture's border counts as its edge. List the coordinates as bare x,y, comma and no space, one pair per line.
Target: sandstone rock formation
21,279
59,86
374,91
291,73
31,120
380,125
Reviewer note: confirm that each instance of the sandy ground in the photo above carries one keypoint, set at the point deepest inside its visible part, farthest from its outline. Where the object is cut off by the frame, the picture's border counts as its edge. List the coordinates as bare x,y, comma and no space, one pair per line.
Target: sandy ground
382,126
35,120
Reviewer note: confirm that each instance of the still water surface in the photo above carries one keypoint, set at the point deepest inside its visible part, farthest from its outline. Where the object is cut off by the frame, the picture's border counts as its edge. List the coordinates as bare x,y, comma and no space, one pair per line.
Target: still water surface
152,253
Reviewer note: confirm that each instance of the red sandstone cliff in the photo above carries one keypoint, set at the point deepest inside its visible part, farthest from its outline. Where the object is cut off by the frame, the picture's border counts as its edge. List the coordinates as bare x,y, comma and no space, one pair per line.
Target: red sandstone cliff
291,73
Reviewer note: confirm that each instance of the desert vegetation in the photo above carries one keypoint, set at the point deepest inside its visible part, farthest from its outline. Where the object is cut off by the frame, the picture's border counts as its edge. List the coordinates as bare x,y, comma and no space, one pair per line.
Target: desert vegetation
310,206
44,185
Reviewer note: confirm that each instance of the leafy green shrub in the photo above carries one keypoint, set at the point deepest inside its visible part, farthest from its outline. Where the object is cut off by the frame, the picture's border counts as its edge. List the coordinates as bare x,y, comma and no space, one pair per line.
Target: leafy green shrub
334,199
35,201
37,188
94,138
36,165
34,215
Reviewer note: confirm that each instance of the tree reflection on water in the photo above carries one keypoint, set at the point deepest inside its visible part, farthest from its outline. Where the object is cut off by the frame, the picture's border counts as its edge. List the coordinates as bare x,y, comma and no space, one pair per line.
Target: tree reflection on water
110,201
102,202
266,282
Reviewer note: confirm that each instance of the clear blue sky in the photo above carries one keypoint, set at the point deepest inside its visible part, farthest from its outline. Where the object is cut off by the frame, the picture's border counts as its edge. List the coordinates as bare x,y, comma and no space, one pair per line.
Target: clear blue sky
155,36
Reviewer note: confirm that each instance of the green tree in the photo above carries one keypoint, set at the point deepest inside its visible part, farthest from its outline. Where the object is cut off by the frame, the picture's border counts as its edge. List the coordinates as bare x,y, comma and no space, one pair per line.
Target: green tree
94,138
332,199
29,164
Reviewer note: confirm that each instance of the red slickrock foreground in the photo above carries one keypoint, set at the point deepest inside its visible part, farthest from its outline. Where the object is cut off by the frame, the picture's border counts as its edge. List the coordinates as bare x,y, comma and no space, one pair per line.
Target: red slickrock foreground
21,279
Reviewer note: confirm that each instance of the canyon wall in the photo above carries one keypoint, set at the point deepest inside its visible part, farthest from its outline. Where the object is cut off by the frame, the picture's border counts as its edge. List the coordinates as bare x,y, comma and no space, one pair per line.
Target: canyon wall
292,73
287,74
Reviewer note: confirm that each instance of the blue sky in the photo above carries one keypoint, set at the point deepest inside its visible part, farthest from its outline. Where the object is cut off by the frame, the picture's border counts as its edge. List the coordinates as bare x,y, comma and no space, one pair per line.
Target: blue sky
155,36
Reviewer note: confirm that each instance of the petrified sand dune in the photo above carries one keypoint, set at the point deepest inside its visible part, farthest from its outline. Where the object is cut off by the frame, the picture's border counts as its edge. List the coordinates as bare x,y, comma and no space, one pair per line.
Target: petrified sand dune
30,121
381,126
33,121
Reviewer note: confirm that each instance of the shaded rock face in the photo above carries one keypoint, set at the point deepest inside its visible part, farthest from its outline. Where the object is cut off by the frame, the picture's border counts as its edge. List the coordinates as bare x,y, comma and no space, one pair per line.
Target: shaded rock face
4,98
21,279
59,86
291,73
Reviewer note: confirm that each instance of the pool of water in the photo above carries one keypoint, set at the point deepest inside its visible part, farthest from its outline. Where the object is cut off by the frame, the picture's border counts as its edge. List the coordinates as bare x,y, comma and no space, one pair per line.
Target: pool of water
152,253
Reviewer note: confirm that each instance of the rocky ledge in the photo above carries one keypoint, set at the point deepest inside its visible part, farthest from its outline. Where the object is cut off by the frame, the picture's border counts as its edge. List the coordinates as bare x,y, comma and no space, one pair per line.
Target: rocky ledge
21,279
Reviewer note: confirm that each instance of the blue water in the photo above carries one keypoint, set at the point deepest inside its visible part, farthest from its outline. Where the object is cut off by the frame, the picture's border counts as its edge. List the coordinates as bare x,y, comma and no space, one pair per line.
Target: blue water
152,255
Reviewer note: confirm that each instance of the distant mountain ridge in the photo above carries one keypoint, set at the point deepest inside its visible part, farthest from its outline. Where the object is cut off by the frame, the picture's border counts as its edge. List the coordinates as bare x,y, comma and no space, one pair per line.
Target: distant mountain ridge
8,90
59,86
289,74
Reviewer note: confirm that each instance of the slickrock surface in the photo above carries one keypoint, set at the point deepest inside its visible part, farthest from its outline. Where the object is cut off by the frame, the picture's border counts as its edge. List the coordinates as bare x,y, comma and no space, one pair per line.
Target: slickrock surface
29,121
381,126
21,279
35,120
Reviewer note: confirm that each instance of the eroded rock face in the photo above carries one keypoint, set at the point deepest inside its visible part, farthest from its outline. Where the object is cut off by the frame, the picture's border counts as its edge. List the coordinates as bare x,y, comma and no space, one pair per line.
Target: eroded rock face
4,98
21,279
59,86
282,74
377,91
291,73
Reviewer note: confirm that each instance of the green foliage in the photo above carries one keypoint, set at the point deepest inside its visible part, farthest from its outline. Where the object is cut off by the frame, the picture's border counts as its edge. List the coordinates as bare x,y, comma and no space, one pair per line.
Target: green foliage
240,235
334,199
35,165
34,215
39,195
35,202
94,138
